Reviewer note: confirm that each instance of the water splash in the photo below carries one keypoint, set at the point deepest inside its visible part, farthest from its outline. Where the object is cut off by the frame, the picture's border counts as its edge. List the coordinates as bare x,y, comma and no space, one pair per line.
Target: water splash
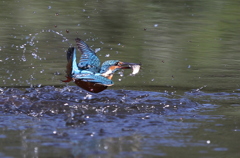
72,101
32,42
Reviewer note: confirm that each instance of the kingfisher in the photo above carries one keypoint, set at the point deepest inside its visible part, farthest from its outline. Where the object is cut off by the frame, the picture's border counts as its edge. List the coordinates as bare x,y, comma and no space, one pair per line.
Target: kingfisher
89,74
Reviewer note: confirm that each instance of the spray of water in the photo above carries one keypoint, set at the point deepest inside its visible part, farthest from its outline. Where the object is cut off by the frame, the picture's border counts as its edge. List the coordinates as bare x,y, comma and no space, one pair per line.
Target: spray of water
32,42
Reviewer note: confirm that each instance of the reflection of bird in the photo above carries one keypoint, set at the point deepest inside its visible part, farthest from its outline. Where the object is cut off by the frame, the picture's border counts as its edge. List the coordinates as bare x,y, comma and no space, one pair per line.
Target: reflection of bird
88,74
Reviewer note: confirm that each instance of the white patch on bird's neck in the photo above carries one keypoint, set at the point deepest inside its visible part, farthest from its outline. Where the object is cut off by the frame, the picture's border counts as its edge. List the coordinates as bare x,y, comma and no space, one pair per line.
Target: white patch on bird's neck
107,73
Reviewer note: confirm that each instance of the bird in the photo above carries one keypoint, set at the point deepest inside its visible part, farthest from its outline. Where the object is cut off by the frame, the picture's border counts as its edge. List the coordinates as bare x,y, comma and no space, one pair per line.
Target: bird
89,74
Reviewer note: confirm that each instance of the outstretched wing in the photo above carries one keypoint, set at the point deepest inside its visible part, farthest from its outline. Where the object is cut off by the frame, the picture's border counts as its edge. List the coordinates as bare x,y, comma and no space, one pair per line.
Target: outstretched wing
72,67
89,60
98,79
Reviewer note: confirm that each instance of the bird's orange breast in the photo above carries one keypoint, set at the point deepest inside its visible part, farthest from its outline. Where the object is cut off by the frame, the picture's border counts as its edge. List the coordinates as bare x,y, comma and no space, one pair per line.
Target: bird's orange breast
90,86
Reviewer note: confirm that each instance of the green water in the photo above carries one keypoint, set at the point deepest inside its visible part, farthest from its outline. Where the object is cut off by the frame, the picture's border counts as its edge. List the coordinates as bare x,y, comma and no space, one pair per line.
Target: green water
182,45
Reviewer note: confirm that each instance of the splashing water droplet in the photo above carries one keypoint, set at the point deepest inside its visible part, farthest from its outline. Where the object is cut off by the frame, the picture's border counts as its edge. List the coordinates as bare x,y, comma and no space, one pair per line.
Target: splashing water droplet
88,96
107,55
24,58
22,46
41,71
34,55
121,73
97,50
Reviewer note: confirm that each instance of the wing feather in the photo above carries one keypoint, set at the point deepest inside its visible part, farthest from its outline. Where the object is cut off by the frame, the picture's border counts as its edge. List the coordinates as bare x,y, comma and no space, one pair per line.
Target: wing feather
98,79
89,60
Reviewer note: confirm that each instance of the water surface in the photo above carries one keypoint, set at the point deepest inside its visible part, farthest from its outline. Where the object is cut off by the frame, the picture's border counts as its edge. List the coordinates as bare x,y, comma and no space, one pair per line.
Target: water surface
183,103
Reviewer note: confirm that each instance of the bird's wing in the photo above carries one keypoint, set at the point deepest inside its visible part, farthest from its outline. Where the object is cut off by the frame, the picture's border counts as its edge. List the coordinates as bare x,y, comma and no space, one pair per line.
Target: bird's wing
72,67
75,68
89,60
98,79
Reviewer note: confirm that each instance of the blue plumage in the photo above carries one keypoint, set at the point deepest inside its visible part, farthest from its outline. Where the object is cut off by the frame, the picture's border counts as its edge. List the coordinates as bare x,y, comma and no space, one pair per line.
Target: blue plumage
105,66
89,60
87,73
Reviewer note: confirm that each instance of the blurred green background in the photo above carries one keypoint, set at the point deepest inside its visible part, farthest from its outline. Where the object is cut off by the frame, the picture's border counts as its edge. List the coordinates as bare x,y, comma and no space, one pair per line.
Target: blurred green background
182,45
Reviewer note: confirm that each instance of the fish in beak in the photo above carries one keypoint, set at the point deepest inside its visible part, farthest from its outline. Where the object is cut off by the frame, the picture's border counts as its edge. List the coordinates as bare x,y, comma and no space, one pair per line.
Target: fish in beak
134,66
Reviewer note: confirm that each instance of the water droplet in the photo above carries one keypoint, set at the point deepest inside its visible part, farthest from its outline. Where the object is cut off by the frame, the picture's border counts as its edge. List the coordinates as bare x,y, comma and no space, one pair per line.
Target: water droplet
121,73
34,55
49,7
88,96
189,66
152,79
57,73
22,46
35,149
41,71
107,55
155,25
208,141
97,50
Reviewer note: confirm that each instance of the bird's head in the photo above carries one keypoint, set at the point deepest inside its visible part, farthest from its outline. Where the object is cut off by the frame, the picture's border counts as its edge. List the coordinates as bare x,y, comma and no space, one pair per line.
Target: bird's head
109,67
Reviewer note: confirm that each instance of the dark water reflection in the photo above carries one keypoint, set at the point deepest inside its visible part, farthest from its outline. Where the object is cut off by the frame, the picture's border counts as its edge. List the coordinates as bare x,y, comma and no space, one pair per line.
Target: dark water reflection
184,102
68,122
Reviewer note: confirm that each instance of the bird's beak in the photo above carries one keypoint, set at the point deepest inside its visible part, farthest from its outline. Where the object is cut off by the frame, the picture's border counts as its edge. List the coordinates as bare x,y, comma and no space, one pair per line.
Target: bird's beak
134,66
125,65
